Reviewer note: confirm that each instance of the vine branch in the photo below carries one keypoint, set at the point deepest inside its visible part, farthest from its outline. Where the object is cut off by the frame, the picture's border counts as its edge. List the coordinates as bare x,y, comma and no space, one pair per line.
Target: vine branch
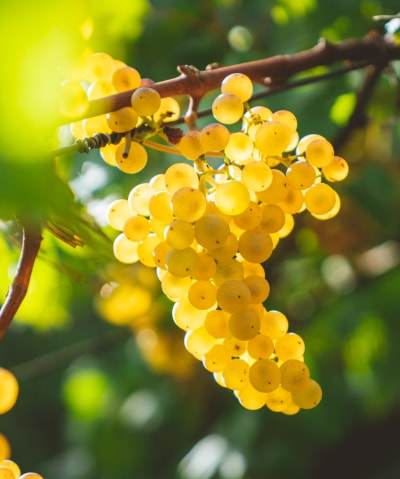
276,70
31,241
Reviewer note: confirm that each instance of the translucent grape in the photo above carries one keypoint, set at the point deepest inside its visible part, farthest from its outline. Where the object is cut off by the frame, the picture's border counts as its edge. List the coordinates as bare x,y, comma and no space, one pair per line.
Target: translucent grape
244,325
125,78
227,251
217,323
118,213
125,250
236,374
100,89
186,316
108,153
257,175
188,204
198,342
146,101
305,141
320,199
259,288
232,197
160,254
214,137
146,248
95,124
272,218
6,473
288,226
276,191
332,212
255,246
238,84
160,206
336,170
179,234
216,359
211,231
202,294
272,138
181,262
136,228
319,153
101,66
249,218
132,161
5,449
300,175
239,148
235,346
169,110
227,108
260,347
191,146
264,375
274,324
122,120
308,396
8,390
13,466
175,287
180,175
30,475
250,398
206,267
278,399
233,296
289,346
293,201
228,269
286,117
294,374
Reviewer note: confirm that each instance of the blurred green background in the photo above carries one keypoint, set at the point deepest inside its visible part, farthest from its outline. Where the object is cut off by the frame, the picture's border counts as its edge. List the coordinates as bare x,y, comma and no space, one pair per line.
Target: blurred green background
99,400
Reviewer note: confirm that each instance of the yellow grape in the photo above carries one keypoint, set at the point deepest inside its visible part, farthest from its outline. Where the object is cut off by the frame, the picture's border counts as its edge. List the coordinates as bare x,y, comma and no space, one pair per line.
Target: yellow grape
186,316
6,473
180,175
217,323
336,170
228,269
100,89
239,148
211,231
198,342
174,287
179,234
136,228
233,296
188,204
160,206
276,191
235,346
145,250
244,325
293,201
286,117
5,449
30,475
238,84
169,110
278,399
202,294
118,212
259,288
294,374
232,197
191,146
308,396
320,199
257,175
96,124
301,175
214,137
319,153
274,324
227,251
146,101
250,398
250,269
289,346
255,245
250,218
181,262
288,226
236,374
102,66
13,466
272,138
125,251
206,267
272,218
122,120
132,161
125,78
227,108
260,347
332,212
305,141
108,153
264,375
292,409
160,254
216,359
8,390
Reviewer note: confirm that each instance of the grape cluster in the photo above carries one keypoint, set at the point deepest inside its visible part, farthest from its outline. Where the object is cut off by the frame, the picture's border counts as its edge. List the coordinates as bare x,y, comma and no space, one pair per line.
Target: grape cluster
209,228
9,390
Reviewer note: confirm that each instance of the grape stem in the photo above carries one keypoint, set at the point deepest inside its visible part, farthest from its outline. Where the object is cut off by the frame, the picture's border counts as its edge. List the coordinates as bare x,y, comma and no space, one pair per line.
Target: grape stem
31,241
273,71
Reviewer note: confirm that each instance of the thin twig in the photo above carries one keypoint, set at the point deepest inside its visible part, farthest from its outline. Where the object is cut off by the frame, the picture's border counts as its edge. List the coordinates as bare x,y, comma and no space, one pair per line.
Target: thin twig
31,241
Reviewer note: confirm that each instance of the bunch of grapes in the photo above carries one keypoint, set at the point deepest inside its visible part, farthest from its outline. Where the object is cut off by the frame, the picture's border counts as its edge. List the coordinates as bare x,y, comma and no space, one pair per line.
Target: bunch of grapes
209,230
9,390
